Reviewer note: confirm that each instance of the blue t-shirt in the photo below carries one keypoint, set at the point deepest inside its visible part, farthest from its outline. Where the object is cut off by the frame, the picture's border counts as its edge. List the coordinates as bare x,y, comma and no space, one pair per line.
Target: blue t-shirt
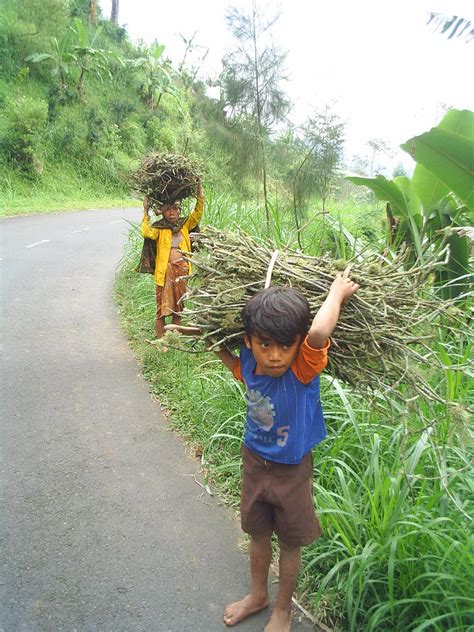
284,414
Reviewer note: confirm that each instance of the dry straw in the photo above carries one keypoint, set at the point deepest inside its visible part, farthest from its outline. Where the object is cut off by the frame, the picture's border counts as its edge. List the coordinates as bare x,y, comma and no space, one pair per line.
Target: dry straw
165,177
383,336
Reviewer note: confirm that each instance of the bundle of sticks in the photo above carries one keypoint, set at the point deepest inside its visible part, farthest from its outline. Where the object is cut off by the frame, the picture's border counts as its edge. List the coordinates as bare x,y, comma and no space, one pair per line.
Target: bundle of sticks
165,177
383,334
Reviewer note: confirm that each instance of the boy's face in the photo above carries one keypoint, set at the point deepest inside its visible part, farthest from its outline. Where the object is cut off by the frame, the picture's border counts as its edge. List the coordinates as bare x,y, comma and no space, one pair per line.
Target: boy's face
272,358
171,212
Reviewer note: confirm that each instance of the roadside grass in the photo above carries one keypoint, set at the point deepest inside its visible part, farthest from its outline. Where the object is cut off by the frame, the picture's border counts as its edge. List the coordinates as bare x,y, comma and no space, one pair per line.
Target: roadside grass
393,487
60,189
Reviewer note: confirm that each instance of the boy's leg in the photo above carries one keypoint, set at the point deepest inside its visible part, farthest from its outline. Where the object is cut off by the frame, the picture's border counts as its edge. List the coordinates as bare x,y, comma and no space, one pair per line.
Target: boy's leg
289,568
260,558
159,327
159,319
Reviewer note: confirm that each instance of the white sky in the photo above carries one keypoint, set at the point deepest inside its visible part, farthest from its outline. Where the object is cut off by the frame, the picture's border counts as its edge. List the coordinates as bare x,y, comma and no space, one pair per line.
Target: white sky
376,62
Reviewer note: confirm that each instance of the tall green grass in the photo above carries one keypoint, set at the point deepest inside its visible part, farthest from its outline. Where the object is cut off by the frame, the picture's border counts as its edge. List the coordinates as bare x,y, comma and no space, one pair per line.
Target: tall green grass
393,488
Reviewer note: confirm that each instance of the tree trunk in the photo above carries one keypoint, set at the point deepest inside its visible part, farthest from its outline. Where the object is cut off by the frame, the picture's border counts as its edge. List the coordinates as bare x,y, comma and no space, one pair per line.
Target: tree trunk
80,83
265,191
93,11
115,12
259,113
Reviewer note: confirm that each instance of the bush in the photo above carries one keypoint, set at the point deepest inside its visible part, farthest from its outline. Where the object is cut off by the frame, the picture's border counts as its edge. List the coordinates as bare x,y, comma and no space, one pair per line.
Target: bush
21,143
26,28
159,134
67,136
133,138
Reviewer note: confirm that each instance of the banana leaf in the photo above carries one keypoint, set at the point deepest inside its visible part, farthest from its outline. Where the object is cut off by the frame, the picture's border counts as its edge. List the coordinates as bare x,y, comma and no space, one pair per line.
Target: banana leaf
450,157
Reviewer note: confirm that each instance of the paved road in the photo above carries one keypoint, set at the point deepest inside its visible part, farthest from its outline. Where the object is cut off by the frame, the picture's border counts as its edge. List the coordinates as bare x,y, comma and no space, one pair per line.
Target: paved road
102,525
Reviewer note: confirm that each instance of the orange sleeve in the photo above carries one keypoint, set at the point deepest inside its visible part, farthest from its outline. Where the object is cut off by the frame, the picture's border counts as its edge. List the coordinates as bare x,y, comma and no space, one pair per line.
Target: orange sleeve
237,371
310,362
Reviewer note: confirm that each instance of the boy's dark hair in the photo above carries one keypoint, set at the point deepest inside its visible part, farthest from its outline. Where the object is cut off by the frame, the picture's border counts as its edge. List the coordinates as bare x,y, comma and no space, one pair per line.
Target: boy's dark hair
277,313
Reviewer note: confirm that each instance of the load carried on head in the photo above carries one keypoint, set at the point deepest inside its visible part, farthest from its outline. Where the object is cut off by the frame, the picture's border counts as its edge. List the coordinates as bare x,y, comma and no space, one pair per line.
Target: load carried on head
381,340
165,178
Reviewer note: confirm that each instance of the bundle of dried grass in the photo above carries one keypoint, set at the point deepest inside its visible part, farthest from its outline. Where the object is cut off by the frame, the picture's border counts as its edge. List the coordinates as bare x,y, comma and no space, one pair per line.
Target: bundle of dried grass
382,338
165,177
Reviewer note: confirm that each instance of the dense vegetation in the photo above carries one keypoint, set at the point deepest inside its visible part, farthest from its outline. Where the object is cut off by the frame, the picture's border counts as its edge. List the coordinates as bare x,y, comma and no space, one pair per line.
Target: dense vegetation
81,104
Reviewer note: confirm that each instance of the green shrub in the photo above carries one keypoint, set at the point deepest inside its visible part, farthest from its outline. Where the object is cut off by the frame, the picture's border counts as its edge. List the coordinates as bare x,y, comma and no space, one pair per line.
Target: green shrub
21,142
133,138
160,134
67,136
27,27
58,99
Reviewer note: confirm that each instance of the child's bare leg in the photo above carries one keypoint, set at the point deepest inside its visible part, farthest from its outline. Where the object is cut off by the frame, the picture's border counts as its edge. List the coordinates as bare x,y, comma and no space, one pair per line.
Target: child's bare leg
260,558
159,327
289,568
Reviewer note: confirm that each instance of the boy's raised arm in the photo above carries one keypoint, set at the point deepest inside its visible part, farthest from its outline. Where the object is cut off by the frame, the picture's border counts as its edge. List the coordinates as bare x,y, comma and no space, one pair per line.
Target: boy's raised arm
325,321
227,358
195,217
224,355
146,229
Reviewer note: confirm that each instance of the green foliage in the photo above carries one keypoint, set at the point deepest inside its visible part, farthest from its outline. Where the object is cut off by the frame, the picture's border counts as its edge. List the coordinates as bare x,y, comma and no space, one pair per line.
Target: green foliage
61,58
21,142
87,57
404,204
26,27
323,138
398,550
447,151
426,209
156,75
160,134
67,135
250,82
75,50
253,72
110,102
60,187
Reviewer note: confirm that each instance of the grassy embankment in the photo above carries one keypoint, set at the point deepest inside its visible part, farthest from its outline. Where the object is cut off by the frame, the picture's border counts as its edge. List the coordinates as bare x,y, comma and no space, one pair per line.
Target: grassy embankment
59,189
392,487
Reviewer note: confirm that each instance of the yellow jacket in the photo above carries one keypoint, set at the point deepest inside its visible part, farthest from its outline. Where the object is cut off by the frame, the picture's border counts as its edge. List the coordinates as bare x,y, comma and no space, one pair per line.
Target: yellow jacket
163,240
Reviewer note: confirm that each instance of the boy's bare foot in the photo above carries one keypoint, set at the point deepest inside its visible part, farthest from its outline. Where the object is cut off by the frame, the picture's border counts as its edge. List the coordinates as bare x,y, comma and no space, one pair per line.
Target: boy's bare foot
280,621
240,610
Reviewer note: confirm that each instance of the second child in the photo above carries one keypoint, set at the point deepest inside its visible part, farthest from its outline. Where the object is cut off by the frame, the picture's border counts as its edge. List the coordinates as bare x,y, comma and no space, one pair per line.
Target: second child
172,236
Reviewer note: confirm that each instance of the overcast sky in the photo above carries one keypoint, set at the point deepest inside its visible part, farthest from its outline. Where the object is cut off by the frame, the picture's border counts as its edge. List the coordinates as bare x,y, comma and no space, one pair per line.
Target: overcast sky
375,62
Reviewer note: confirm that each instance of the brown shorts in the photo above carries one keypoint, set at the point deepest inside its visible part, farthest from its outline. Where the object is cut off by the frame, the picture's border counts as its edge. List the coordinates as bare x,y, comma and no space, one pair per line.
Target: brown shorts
279,497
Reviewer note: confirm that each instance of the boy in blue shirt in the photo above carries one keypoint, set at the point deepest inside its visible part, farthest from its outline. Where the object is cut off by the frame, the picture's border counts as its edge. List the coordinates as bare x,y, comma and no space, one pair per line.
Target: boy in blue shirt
280,365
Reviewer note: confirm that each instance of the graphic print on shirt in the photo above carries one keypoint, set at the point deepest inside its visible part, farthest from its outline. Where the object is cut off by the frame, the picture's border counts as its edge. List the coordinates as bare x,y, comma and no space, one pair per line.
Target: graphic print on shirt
260,410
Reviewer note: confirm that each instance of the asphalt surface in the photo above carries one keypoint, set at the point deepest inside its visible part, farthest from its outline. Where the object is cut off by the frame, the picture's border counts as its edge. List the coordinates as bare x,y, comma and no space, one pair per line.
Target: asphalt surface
102,524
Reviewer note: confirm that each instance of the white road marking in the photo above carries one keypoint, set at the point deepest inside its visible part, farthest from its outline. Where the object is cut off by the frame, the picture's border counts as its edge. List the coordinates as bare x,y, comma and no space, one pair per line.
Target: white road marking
37,243
81,230
118,221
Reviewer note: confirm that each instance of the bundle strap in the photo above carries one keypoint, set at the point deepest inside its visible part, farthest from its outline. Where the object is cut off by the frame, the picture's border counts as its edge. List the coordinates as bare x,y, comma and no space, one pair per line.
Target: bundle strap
268,278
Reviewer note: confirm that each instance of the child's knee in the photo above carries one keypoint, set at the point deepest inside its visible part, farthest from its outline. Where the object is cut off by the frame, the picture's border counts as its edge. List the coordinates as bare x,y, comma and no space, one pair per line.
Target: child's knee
264,537
288,548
